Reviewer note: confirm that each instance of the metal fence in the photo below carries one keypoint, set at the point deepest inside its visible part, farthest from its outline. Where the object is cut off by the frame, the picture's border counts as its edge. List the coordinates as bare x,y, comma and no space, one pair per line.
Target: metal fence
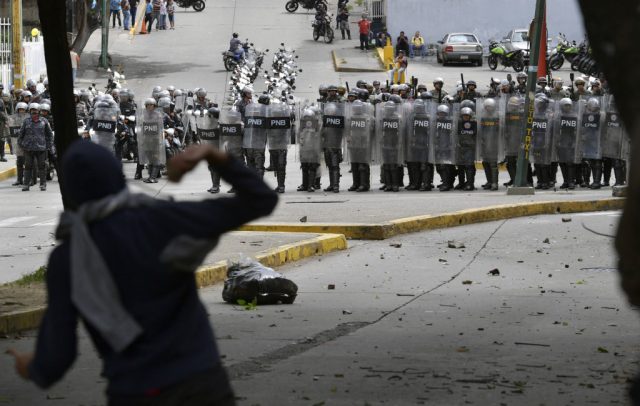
5,52
377,10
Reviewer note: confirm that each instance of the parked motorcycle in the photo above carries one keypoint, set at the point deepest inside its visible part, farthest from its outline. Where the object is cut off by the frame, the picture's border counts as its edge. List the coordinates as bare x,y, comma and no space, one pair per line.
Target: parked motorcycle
564,50
198,5
292,5
322,28
231,61
499,55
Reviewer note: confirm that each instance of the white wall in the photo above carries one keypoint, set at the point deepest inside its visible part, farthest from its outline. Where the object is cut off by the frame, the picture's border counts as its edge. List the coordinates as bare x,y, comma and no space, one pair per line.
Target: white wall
486,18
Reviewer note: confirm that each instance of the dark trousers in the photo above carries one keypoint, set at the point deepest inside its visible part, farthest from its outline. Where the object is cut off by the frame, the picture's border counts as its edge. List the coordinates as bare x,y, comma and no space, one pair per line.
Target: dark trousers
114,14
199,390
133,15
364,41
35,160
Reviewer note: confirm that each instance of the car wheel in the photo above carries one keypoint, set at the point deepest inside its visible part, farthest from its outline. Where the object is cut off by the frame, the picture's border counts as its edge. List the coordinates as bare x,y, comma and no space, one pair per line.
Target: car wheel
444,61
439,59
291,6
479,62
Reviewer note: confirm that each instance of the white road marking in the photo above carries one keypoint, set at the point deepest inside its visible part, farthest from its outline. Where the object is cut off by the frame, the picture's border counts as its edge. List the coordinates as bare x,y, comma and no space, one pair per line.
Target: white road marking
14,220
52,222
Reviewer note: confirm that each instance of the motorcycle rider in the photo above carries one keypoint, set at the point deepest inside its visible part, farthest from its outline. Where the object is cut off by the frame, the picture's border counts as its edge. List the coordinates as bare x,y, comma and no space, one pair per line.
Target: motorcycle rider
235,46
36,138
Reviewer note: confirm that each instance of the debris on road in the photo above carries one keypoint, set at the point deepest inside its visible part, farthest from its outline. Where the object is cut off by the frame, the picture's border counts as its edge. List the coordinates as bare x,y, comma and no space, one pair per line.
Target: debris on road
566,219
347,312
249,281
331,286
396,245
467,282
303,219
603,350
532,344
546,241
455,244
494,272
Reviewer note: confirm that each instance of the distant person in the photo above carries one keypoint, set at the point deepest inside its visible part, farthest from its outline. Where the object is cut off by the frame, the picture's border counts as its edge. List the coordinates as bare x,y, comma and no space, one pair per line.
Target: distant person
399,67
417,44
365,27
115,12
402,44
138,298
75,60
171,11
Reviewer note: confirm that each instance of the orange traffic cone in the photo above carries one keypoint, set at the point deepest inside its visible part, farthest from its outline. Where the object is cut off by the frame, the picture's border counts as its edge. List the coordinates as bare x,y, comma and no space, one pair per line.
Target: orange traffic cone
143,30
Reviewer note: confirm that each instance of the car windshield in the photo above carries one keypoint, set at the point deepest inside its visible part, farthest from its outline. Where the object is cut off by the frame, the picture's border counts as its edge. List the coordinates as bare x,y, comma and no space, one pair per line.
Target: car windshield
461,38
520,36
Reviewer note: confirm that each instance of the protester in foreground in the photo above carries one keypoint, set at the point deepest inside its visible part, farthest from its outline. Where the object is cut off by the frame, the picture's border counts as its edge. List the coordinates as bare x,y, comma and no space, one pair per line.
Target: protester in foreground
138,297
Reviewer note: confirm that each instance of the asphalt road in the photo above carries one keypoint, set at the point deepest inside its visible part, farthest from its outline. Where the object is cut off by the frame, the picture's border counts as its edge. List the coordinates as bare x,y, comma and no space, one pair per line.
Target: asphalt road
412,321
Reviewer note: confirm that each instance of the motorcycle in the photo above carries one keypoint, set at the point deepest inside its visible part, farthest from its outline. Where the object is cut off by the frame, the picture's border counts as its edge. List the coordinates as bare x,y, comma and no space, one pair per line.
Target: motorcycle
323,28
198,5
318,5
564,50
500,55
230,60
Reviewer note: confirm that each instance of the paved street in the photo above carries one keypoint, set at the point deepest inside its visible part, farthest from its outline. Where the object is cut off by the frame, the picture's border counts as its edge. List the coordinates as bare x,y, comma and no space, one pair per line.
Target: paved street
402,327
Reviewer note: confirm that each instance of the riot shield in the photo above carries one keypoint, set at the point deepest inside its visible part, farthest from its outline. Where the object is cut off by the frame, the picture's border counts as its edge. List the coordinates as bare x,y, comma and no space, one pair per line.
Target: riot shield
467,136
565,132
590,119
231,132
333,123
613,134
418,135
255,126
180,102
444,138
151,138
513,125
207,126
541,133
389,132
490,137
359,132
309,140
279,124
104,126
15,123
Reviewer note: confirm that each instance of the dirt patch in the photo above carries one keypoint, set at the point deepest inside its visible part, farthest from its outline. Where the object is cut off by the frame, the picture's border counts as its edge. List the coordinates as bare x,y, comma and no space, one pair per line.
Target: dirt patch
16,298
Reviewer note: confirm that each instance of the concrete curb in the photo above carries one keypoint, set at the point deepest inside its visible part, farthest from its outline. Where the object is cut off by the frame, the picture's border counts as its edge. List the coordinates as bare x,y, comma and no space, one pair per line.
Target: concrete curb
337,66
8,173
18,321
392,228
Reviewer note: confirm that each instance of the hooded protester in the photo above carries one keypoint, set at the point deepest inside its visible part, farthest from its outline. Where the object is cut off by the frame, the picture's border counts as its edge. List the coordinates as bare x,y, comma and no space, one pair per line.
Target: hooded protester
125,267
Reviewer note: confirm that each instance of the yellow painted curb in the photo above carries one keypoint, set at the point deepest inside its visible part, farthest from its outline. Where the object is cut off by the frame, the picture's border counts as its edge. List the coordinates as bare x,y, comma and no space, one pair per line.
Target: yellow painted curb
15,322
21,320
8,173
392,228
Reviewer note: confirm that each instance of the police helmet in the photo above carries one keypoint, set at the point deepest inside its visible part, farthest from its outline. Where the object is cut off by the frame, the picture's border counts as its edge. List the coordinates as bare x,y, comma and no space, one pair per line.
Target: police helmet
466,111
264,99
22,106
247,92
332,88
521,75
357,107
395,99
593,104
566,104
472,83
214,112
201,92
171,88
26,93
438,80
34,106
426,95
150,102
514,103
30,83
164,103
360,84
443,109
468,103
579,81
489,105
45,107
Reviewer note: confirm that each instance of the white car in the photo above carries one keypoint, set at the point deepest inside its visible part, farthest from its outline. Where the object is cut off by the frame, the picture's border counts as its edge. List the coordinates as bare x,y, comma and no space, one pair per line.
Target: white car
516,39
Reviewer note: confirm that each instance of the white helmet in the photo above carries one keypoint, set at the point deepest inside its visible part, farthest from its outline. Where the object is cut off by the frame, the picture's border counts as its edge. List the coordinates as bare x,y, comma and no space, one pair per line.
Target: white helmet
34,106
466,111
444,109
22,106
489,105
438,80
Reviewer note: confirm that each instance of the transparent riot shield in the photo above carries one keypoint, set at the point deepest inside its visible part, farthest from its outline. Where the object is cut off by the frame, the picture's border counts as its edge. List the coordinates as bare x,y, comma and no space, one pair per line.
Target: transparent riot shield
466,136
444,135
590,118
180,102
104,125
565,132
231,132
389,132
333,125
541,133
359,132
490,128
309,140
15,123
513,125
279,124
207,126
255,126
418,135
151,149
613,133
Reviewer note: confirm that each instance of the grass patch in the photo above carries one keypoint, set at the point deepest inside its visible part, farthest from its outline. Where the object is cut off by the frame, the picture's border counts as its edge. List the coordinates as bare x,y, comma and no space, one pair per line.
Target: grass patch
38,276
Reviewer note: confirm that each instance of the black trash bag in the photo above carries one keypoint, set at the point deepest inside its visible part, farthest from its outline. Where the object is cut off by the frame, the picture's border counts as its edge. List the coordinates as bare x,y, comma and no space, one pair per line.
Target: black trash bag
249,279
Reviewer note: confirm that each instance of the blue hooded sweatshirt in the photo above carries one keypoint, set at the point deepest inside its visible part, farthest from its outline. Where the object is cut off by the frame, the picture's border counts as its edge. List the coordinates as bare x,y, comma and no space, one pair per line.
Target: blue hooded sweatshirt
177,341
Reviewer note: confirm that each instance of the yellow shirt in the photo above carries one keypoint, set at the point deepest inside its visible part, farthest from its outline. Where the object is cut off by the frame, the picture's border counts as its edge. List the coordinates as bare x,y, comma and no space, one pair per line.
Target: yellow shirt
417,41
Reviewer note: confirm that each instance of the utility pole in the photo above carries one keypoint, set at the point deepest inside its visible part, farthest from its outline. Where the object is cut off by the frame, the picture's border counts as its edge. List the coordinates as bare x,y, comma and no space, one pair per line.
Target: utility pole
16,43
104,61
520,186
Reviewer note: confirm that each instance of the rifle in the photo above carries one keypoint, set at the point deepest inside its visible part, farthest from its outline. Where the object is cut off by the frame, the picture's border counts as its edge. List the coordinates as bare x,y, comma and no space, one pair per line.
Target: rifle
571,77
347,86
464,86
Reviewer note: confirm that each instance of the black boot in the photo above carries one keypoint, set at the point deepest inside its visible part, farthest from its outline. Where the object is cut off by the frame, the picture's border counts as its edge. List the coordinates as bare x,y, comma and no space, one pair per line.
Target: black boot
495,172
20,171
2,158
470,172
215,182
447,178
553,173
487,174
43,178
596,167
541,175
586,175
154,171
395,174
312,180
27,184
317,184
355,175
305,179
281,175
511,169
427,178
138,174
607,165
618,171
571,174
365,178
